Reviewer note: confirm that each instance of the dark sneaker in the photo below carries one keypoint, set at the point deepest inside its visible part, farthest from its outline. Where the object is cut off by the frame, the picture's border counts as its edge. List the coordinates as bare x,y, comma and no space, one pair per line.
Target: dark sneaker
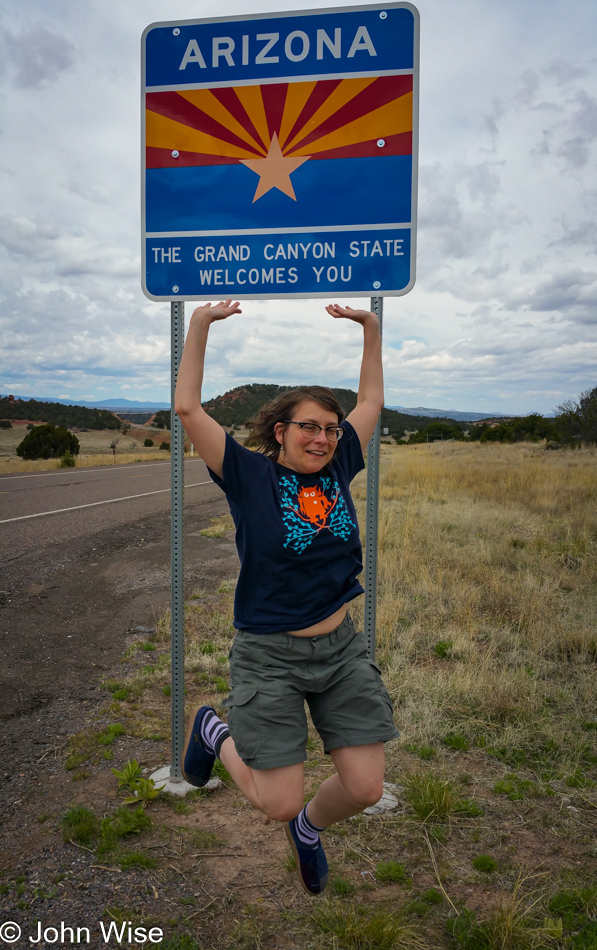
311,862
196,762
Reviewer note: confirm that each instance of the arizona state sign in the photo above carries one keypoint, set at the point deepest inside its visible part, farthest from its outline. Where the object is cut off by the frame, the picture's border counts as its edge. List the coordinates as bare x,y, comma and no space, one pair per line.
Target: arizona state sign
280,154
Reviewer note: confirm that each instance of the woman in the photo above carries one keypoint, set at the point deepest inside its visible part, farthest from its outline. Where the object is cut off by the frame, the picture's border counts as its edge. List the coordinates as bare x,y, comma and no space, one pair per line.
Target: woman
298,543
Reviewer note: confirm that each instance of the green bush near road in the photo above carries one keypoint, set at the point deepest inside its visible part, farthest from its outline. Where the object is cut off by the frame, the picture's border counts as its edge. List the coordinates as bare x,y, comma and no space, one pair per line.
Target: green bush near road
48,441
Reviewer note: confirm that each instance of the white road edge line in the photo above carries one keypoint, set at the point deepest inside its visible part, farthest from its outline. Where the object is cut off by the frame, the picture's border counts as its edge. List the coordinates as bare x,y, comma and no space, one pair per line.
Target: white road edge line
92,504
86,471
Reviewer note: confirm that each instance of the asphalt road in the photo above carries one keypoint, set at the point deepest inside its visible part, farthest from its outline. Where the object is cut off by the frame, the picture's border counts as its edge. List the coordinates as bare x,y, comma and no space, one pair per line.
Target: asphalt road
84,560
41,508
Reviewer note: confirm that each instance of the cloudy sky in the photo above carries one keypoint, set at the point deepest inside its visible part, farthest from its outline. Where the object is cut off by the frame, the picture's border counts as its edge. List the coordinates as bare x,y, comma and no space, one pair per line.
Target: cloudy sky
503,314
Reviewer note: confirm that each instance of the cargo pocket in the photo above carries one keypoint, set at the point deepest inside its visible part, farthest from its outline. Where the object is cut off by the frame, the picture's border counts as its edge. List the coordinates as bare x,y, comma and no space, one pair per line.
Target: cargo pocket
384,691
243,720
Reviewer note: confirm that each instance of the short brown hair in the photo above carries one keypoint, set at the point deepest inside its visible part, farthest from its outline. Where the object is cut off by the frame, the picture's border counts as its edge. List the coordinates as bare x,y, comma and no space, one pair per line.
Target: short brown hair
262,435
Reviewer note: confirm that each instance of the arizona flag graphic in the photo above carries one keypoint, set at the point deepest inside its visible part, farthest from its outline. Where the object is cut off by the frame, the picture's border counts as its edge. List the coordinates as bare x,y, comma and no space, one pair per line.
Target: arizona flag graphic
307,151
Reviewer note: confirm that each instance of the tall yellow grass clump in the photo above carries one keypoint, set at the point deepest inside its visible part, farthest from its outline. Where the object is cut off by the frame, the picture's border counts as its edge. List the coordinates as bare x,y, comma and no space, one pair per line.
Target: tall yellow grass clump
487,591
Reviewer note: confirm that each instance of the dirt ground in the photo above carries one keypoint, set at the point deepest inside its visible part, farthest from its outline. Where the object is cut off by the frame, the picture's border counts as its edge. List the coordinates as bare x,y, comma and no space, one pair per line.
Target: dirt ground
67,616
81,620
75,618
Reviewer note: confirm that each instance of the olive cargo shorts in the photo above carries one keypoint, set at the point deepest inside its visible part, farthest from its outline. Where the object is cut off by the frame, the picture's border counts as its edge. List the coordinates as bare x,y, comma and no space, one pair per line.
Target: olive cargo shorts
273,674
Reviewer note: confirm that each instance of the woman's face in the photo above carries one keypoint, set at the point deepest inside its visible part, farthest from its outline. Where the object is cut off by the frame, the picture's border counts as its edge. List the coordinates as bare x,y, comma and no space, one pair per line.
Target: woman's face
302,455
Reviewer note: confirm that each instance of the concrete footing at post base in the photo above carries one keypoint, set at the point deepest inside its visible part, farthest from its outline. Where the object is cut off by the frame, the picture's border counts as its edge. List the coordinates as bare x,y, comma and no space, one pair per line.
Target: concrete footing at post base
166,784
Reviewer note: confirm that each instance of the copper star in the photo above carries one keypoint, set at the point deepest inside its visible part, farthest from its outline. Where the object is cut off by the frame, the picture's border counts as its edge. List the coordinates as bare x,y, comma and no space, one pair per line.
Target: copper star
274,170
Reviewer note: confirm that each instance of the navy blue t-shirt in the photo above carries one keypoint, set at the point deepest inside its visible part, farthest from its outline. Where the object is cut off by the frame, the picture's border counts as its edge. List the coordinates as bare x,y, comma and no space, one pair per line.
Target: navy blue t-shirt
297,537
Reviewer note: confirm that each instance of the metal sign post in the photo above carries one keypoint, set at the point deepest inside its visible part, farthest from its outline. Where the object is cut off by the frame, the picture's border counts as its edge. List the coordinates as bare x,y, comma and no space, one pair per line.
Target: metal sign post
371,520
177,550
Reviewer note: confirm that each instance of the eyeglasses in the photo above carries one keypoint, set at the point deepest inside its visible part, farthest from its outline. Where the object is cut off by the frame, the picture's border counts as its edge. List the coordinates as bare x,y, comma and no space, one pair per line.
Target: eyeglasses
311,431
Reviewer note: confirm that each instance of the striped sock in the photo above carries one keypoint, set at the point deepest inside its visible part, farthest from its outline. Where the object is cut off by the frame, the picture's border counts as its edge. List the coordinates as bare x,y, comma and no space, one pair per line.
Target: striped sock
306,831
213,732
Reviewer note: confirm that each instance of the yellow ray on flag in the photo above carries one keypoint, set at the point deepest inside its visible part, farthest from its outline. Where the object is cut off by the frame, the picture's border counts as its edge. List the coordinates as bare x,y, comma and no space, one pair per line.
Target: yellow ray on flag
205,100
162,132
391,119
347,90
252,100
296,97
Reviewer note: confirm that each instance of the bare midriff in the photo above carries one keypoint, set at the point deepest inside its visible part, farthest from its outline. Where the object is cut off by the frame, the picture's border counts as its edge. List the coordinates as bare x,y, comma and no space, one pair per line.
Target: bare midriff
324,626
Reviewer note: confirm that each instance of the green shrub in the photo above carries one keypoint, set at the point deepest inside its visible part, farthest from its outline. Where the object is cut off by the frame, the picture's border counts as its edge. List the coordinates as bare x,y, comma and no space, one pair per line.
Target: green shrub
184,942
456,741
442,648
47,441
165,447
468,808
136,859
391,872
341,886
68,460
432,896
432,798
107,735
122,823
148,443
516,788
360,928
485,863
80,825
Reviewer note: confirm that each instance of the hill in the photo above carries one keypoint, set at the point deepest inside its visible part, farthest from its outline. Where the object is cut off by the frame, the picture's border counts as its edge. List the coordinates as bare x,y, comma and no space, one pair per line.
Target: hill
239,405
58,414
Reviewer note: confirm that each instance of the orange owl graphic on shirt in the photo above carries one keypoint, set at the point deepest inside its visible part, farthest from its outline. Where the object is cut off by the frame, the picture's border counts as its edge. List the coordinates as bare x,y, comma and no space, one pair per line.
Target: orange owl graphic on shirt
308,510
314,505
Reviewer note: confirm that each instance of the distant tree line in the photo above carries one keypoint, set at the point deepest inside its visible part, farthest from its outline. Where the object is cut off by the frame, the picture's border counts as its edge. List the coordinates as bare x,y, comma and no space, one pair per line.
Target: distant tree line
576,422
532,428
438,431
56,414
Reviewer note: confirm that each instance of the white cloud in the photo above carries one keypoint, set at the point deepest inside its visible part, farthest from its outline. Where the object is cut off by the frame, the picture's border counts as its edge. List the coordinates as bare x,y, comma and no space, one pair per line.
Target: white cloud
503,313
36,56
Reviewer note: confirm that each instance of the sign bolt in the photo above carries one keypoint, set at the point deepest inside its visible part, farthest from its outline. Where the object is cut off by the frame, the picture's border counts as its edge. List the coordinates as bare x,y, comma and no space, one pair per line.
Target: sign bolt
176,32
383,15
176,153
176,288
376,285
380,143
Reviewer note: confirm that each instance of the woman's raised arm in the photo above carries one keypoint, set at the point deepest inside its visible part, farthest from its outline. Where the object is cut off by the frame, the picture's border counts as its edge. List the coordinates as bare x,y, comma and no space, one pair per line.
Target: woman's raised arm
370,398
205,433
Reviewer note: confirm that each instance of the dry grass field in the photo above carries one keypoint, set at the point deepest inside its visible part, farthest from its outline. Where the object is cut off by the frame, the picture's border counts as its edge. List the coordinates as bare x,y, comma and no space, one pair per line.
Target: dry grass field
487,638
95,449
